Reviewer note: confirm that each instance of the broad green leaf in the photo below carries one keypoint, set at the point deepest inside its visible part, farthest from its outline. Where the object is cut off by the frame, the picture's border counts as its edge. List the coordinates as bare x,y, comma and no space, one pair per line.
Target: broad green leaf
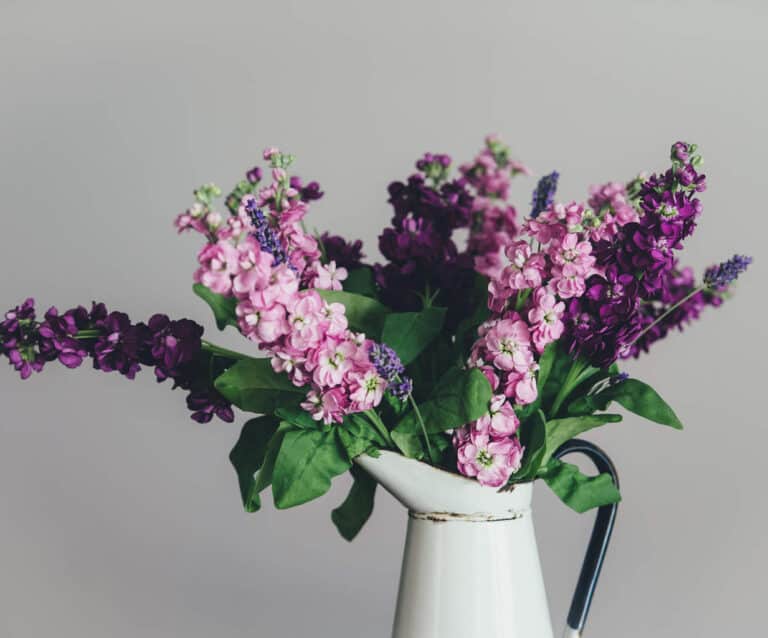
363,313
358,435
459,397
252,385
579,491
409,333
561,430
635,396
643,400
248,456
223,307
360,281
307,462
351,515
411,444
298,417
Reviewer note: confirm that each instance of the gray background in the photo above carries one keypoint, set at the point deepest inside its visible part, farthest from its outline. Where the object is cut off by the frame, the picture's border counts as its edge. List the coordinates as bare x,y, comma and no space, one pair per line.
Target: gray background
120,517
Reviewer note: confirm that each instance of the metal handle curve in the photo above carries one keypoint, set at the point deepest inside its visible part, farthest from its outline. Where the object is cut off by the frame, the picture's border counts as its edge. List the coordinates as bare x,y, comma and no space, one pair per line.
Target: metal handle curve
598,542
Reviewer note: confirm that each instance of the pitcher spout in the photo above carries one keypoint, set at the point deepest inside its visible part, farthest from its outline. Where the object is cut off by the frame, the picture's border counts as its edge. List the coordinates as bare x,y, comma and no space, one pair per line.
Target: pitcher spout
428,491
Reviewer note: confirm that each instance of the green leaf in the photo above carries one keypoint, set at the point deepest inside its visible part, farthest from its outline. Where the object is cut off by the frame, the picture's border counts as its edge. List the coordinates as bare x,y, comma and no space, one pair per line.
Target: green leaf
409,333
264,477
363,313
352,514
252,385
298,417
561,430
411,444
248,456
459,397
223,307
643,400
358,435
307,462
579,491
360,281
533,437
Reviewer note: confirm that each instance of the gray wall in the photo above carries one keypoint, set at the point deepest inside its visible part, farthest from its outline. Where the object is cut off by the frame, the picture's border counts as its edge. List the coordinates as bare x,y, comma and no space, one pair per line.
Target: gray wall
120,517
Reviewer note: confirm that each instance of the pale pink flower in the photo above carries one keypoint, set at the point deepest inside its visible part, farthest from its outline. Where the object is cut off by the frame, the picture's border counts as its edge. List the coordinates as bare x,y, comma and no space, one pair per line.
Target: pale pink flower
262,324
218,262
291,362
270,152
526,268
367,389
305,318
491,461
328,277
334,315
328,407
568,281
501,419
569,250
331,361
545,319
254,269
522,385
509,342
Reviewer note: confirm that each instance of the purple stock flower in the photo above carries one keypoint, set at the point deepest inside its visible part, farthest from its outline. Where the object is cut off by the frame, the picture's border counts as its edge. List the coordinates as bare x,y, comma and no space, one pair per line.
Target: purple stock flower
389,367
172,347
544,193
725,273
57,337
18,339
346,254
207,403
119,347
254,175
422,256
309,193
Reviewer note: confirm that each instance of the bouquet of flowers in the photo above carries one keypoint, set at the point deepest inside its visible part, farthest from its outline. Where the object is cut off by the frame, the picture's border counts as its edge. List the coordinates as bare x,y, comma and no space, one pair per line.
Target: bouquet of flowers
480,360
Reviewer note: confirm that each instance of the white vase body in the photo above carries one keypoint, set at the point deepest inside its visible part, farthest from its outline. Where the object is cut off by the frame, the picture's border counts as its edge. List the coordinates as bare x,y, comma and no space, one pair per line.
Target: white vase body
470,566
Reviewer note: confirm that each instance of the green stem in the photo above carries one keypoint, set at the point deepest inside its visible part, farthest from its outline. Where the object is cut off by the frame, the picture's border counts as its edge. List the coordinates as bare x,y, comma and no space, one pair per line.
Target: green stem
666,313
379,425
572,379
88,334
420,419
222,352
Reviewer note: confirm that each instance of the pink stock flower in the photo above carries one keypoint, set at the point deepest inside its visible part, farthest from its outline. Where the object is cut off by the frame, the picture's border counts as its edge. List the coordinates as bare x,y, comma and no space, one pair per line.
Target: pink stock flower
568,281
522,385
570,250
545,319
332,361
526,268
218,262
501,419
254,269
328,277
509,343
491,461
367,389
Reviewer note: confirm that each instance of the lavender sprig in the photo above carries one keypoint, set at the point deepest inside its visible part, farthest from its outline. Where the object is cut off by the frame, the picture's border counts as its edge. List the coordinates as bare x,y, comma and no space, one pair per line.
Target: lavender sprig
544,194
266,236
725,273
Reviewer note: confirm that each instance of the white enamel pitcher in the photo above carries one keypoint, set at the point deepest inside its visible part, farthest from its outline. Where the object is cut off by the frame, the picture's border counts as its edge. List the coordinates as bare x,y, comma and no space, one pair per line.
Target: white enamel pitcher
471,566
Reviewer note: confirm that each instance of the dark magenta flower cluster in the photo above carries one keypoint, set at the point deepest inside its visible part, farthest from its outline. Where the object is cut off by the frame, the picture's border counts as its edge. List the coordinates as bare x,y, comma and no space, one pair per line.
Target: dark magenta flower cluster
643,293
421,254
114,344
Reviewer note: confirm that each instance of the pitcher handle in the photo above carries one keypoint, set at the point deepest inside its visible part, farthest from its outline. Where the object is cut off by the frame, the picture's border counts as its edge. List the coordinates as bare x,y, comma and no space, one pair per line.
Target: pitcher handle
598,542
